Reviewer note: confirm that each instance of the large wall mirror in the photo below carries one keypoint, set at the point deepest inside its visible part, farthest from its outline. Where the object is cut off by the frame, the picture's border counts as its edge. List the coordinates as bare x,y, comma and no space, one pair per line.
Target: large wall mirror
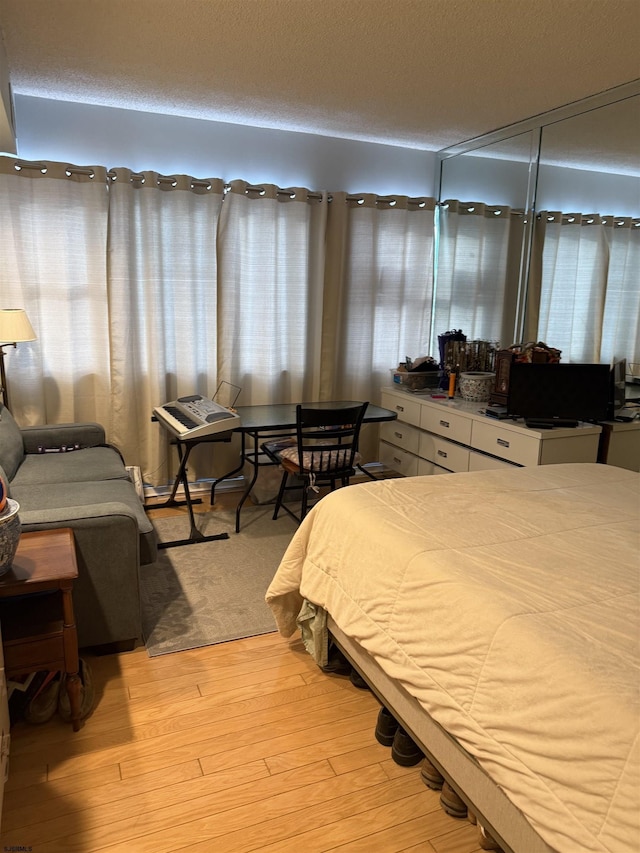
571,179
484,236
592,161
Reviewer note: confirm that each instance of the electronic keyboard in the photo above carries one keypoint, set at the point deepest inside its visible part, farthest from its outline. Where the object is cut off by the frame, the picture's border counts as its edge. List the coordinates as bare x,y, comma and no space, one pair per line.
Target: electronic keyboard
195,417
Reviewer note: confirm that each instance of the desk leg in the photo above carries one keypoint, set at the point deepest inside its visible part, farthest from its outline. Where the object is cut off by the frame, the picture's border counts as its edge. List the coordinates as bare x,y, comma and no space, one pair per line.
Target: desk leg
228,474
71,660
252,459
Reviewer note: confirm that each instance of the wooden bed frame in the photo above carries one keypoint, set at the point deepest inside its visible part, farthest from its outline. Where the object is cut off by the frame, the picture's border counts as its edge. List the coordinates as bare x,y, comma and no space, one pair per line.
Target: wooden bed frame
503,821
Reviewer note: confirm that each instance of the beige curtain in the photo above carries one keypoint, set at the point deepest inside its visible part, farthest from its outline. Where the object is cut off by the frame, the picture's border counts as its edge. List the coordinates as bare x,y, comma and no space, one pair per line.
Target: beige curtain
53,243
162,274
271,268
143,287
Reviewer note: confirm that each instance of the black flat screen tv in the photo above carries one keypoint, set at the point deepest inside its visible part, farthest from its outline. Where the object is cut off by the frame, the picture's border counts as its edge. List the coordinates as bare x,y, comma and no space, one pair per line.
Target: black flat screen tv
559,394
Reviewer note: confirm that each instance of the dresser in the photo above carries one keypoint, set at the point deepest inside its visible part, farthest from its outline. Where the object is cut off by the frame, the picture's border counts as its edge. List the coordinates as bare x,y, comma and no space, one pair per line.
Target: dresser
620,444
438,436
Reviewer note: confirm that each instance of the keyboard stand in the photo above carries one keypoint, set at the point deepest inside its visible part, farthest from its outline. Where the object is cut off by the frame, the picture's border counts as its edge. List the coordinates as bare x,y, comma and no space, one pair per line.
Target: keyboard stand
184,449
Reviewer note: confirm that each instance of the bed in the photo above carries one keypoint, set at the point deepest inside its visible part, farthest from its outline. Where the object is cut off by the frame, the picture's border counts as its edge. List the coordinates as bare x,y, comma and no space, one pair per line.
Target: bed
496,615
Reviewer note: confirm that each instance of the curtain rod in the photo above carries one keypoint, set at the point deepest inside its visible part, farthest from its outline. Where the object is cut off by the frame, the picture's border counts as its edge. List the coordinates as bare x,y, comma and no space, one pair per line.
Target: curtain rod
171,180
588,219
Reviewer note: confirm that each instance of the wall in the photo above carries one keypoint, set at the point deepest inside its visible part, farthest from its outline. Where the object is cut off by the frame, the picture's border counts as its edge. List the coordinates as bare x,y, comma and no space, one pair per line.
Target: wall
85,134
7,129
577,190
471,177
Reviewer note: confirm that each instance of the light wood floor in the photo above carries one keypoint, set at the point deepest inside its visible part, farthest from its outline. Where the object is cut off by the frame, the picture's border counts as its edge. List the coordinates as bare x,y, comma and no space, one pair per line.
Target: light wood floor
242,746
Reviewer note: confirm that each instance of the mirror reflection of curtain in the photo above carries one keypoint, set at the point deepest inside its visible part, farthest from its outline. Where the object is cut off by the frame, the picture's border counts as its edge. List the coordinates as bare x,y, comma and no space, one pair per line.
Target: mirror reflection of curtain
378,290
621,319
587,296
478,267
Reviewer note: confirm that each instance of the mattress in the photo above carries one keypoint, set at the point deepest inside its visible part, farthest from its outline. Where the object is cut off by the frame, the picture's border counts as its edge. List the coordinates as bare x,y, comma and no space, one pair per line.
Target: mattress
507,603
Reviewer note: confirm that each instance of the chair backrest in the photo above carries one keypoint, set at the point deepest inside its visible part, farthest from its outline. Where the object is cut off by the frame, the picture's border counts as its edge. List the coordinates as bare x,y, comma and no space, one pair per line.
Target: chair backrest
327,439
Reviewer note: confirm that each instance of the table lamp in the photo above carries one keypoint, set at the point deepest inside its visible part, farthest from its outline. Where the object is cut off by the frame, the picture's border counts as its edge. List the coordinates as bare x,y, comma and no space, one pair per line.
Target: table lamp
14,328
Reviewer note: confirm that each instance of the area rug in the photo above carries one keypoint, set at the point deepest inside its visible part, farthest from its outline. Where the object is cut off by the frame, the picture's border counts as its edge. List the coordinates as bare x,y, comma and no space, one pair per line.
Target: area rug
211,592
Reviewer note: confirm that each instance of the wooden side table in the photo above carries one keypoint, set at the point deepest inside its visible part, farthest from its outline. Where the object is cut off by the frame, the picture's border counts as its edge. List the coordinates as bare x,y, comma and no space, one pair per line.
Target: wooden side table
36,610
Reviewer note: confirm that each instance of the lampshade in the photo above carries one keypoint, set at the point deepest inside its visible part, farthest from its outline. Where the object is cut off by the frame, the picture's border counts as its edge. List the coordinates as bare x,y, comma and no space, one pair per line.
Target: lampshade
15,326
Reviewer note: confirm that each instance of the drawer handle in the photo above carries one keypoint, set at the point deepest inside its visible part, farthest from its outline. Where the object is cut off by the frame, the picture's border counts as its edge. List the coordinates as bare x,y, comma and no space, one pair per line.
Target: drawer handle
444,424
398,434
442,453
396,460
502,442
399,408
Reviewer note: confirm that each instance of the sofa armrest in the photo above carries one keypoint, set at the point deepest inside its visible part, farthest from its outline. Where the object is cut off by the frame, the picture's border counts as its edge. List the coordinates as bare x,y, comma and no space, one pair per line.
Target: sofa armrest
72,516
58,435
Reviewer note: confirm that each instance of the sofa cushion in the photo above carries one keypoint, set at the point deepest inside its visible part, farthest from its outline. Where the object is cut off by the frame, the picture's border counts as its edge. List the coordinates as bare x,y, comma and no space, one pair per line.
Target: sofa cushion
75,466
11,443
36,501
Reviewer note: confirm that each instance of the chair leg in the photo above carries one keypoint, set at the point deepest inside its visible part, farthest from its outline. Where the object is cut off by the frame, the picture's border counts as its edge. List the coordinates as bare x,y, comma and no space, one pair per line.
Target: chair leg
283,483
305,499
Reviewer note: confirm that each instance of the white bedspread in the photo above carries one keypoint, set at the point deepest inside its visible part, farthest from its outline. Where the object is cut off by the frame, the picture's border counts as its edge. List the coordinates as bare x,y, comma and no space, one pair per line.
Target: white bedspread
507,603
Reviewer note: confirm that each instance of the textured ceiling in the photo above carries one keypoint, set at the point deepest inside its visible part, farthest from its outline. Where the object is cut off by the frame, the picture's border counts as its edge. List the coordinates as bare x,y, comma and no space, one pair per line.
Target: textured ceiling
416,73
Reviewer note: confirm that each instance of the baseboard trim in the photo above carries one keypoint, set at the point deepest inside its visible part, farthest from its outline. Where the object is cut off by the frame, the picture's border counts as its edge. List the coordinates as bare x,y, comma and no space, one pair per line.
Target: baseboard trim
236,484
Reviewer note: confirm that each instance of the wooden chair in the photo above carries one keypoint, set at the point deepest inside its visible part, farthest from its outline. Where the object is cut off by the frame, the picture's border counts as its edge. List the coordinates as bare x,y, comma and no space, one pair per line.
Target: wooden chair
324,452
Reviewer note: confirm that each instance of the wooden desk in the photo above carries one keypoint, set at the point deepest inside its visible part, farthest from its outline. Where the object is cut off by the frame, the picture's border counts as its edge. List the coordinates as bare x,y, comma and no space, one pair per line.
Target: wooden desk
39,630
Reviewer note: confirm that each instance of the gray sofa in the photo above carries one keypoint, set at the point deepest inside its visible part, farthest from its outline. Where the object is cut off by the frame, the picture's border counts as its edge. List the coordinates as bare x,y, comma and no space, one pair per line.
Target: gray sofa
87,489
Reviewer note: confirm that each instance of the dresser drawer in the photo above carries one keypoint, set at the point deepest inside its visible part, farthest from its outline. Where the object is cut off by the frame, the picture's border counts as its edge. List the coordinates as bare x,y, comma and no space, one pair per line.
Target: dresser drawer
402,435
445,422
398,460
407,410
45,653
427,469
507,444
482,462
435,449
